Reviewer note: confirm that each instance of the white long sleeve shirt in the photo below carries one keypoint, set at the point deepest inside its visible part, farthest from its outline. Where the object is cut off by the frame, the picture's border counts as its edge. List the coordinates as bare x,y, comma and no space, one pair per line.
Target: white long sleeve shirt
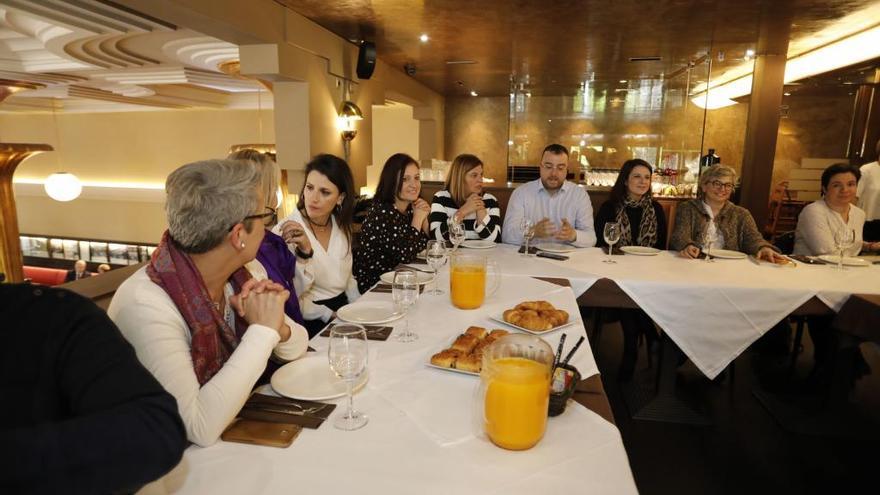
532,200
326,274
150,321
869,190
817,224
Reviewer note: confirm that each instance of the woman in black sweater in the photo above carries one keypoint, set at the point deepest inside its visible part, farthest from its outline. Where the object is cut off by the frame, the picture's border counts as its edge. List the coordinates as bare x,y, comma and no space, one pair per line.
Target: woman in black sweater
642,223
396,228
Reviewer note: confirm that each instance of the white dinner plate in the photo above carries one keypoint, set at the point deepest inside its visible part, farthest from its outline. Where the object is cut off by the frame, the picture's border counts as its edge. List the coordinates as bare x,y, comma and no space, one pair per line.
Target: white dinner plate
727,254
422,277
554,247
369,312
478,244
311,378
847,260
500,319
640,250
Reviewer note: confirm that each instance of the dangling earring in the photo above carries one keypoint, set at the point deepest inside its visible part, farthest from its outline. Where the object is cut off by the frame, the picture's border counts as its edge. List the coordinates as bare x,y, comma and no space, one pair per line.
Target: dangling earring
338,207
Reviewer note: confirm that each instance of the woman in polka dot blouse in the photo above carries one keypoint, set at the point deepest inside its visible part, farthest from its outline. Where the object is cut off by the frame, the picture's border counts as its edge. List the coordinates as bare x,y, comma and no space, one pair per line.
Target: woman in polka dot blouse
397,226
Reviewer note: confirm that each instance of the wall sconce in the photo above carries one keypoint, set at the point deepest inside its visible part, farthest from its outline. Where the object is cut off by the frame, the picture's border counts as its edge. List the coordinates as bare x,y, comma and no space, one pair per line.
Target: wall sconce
349,113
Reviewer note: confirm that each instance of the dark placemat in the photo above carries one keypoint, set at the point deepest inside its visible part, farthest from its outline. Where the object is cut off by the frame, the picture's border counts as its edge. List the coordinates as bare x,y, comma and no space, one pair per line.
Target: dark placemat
309,414
386,288
374,332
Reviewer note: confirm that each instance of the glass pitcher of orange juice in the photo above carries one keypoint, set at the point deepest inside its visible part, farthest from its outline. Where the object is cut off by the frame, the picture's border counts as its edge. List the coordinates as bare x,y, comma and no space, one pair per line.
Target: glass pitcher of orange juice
468,279
515,390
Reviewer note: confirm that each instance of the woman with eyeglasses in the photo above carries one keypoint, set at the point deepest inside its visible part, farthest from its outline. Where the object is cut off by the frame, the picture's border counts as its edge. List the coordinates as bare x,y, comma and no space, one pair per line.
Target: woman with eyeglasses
203,325
642,223
323,215
713,218
396,228
274,259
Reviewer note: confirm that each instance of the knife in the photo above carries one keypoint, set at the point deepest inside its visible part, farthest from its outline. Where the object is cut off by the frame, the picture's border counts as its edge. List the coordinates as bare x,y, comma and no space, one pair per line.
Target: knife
309,412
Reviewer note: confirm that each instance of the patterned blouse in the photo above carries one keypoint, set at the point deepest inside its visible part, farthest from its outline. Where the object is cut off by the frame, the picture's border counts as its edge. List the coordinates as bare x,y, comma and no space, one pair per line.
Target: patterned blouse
443,207
387,240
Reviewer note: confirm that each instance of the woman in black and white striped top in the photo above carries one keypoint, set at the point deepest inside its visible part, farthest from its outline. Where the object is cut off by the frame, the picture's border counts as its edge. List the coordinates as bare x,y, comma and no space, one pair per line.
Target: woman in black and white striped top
464,200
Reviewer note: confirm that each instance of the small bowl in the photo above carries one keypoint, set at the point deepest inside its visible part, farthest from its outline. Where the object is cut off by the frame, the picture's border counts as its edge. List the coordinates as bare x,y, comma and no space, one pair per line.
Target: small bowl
558,400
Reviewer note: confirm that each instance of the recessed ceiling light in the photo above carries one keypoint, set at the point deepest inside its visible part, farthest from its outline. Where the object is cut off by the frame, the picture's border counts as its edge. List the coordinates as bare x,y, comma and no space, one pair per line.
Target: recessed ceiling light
549,120
474,93
786,93
510,143
623,81
750,53
424,38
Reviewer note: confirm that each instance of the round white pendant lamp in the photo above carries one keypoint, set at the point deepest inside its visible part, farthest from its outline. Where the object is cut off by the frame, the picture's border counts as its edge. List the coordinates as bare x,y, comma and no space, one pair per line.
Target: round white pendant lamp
63,186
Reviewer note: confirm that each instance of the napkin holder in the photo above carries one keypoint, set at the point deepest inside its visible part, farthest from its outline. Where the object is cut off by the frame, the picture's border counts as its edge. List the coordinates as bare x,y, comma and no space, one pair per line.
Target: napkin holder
558,400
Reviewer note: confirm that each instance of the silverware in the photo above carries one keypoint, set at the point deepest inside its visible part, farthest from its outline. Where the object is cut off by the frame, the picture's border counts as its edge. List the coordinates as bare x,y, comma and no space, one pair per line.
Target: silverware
418,269
302,411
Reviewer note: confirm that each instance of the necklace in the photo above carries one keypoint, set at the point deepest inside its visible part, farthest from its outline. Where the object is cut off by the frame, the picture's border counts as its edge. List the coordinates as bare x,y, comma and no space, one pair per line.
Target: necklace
320,226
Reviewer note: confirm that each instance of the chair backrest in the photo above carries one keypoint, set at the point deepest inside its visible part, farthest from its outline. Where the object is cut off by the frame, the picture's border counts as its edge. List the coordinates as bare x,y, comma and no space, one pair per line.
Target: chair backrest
784,242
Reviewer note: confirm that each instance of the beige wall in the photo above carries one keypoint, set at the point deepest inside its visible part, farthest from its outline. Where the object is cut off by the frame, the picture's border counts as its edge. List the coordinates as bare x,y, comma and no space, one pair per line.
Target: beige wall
394,131
141,147
479,126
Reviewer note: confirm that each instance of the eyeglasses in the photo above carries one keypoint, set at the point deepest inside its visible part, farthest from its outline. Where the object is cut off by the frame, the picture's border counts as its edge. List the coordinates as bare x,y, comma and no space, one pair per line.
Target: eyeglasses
269,218
717,184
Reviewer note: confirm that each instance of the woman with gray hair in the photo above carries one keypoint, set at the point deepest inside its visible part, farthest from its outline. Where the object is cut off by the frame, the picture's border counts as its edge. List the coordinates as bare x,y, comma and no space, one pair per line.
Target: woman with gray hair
712,218
199,322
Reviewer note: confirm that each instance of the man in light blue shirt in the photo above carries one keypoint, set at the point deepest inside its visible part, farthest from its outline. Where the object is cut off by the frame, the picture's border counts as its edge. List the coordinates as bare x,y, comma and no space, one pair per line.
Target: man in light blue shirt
560,209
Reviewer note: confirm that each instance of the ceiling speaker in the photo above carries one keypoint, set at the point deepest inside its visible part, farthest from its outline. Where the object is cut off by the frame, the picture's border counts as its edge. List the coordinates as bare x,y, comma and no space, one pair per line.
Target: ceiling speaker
366,60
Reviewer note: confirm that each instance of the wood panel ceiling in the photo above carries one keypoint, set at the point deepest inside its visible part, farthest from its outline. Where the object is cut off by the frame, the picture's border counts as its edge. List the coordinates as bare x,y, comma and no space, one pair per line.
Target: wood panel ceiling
551,46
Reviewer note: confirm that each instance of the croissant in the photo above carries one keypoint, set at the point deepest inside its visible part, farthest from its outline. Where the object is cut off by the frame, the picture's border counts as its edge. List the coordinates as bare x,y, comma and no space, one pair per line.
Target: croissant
528,319
557,316
535,305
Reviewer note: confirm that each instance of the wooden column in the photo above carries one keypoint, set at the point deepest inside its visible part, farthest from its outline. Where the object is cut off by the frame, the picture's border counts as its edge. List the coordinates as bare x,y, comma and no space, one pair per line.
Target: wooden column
763,121
11,154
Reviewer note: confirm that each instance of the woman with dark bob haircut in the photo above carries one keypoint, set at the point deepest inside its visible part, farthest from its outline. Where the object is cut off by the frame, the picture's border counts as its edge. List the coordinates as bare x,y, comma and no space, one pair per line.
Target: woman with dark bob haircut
324,213
396,228
642,223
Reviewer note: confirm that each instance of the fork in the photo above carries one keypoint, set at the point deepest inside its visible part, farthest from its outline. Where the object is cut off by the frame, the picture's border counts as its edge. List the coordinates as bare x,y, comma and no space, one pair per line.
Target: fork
300,411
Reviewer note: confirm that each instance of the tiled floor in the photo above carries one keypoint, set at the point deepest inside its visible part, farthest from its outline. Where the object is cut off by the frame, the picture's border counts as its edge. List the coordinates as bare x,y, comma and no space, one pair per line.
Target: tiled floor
745,450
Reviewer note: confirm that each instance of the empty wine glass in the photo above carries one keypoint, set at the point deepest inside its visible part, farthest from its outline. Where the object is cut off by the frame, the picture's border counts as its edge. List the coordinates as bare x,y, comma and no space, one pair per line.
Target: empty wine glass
844,237
347,353
456,233
435,254
707,244
611,233
528,231
405,292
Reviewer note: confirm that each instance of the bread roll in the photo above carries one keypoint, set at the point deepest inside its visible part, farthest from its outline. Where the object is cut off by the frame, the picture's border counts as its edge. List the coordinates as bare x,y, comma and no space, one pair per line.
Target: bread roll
471,362
446,358
478,332
465,343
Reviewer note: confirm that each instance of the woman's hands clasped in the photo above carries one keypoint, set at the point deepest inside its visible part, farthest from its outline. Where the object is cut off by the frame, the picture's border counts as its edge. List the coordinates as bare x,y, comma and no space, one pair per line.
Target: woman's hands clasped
261,302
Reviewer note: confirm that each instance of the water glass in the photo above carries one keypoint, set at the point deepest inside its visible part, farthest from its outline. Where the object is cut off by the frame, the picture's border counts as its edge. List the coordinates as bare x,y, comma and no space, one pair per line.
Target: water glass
611,233
844,237
456,233
707,244
527,227
436,255
405,292
347,353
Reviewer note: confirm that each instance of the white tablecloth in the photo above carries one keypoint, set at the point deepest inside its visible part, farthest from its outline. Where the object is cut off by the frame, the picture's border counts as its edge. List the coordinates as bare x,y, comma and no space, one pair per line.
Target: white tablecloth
421,436
712,311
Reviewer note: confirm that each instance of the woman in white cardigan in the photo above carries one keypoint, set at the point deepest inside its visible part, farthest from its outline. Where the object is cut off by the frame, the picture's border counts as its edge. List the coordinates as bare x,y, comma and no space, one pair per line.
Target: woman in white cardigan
203,325
324,214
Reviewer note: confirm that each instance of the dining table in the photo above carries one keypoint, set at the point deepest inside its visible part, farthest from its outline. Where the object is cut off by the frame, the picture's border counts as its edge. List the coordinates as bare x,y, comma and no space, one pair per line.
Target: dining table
424,434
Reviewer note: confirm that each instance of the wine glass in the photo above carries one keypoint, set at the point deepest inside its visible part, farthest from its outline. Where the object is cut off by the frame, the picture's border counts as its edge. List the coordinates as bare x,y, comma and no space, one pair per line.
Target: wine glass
844,237
707,244
435,254
347,352
456,233
528,231
405,292
611,233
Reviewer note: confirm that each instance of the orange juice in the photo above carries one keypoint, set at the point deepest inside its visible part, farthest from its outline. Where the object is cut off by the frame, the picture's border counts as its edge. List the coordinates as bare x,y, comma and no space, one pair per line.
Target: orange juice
467,286
517,394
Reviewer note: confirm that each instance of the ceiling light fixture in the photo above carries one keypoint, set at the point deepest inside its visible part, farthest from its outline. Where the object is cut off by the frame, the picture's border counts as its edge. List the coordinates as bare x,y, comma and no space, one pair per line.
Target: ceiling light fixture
474,93
623,81
845,51
61,186
424,38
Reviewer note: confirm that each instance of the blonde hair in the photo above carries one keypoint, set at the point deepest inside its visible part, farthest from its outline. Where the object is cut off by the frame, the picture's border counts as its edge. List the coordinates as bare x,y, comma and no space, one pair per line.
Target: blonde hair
461,165
270,174
714,172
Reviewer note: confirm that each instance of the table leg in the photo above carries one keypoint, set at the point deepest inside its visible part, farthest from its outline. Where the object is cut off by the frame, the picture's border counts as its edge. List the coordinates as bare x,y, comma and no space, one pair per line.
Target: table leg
664,405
